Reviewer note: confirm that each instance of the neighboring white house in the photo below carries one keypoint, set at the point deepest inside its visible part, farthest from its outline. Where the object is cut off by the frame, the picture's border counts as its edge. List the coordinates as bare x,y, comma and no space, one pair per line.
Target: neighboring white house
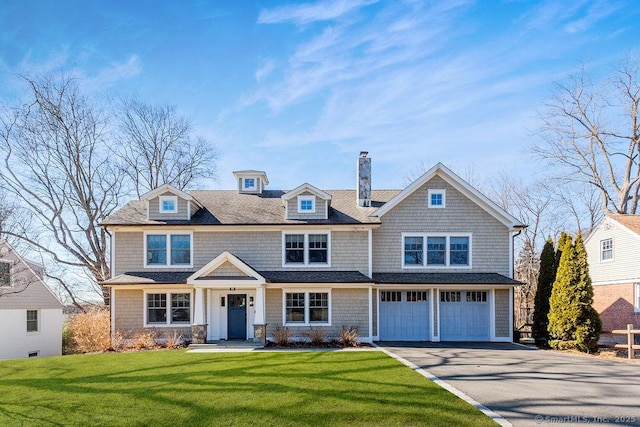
30,314
612,250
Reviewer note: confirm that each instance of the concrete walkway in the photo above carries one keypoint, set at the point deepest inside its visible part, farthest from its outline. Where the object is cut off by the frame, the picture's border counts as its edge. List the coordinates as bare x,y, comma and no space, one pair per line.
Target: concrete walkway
530,387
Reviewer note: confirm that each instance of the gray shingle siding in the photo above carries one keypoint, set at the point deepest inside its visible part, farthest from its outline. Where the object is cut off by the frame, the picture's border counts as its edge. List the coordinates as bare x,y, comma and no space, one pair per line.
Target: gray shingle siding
490,238
320,204
154,208
502,313
261,250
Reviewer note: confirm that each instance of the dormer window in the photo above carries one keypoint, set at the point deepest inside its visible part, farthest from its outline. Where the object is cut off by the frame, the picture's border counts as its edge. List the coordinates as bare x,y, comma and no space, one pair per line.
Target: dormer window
249,183
306,204
436,198
168,204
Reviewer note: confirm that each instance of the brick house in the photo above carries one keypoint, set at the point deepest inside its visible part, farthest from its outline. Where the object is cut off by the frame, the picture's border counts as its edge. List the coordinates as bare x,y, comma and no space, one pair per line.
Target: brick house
431,262
612,251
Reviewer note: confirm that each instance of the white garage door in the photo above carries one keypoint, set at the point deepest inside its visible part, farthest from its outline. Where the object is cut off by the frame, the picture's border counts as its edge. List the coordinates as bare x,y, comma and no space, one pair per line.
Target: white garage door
404,315
464,316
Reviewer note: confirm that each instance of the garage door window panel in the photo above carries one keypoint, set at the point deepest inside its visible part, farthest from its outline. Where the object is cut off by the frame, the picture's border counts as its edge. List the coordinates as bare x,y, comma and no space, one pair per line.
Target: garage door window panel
391,296
416,296
450,296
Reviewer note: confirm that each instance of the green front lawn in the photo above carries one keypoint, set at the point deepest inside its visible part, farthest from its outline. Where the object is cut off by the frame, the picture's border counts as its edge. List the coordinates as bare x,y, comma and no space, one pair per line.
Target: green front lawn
182,389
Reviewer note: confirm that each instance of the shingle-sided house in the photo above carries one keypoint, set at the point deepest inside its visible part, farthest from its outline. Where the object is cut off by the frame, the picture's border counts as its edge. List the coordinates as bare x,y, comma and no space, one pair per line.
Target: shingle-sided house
612,252
30,314
432,262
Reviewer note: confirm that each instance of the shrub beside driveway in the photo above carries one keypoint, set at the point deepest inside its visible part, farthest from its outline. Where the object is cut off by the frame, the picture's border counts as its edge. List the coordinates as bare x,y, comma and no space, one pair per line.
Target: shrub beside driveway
265,388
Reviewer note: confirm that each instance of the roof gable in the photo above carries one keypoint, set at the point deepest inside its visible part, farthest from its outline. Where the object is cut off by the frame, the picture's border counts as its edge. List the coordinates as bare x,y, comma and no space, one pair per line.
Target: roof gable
459,184
29,286
628,223
205,275
306,187
171,189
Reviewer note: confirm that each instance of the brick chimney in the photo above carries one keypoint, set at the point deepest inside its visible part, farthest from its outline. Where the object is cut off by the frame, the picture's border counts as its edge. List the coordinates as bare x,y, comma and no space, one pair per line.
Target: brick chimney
364,179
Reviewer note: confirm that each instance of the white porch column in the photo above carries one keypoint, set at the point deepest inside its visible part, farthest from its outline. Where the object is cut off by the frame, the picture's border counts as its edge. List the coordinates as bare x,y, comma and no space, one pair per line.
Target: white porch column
198,305
259,306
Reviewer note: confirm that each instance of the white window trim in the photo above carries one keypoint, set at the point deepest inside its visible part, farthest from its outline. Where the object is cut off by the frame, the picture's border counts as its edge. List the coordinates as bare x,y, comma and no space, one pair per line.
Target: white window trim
10,262
246,187
612,250
307,198
306,293
168,293
26,318
173,199
168,235
636,297
306,262
448,250
437,191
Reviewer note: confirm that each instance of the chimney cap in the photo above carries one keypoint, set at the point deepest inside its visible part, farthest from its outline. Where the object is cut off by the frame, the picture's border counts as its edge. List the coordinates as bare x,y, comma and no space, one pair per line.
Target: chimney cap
363,154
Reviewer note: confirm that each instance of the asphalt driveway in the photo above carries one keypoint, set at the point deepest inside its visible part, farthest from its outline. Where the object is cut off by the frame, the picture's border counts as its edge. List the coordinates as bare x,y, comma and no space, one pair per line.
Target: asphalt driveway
530,387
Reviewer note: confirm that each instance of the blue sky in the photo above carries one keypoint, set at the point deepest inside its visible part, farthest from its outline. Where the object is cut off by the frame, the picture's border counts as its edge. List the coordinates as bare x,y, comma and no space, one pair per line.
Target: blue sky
298,89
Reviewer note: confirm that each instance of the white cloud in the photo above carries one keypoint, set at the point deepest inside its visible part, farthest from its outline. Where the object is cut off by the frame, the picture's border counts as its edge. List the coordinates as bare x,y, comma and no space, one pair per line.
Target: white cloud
265,69
308,13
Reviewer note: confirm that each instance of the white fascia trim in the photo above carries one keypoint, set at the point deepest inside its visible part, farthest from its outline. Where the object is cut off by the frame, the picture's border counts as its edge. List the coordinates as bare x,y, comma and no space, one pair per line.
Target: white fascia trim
212,265
617,282
168,234
306,292
245,228
459,184
112,311
163,189
370,250
112,264
168,308
306,187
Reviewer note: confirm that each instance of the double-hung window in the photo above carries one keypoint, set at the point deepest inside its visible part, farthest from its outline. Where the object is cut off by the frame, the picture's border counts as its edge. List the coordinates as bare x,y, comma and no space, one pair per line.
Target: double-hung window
32,321
5,273
306,249
436,250
606,250
168,249
172,308
306,308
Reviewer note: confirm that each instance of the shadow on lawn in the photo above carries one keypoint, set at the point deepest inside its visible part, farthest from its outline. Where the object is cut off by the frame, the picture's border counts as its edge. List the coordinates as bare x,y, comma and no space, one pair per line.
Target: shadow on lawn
275,388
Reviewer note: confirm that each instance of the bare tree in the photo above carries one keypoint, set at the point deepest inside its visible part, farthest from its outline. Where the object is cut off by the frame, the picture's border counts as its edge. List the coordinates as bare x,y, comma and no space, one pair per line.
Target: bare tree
592,132
56,165
158,147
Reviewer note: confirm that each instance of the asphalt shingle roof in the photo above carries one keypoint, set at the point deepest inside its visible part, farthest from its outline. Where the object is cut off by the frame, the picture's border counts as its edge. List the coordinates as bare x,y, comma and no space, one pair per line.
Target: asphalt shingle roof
324,276
444,278
632,222
228,207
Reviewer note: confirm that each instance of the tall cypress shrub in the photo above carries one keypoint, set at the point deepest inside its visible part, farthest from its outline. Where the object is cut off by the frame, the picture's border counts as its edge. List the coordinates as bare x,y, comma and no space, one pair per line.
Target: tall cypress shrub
546,277
562,308
573,322
589,324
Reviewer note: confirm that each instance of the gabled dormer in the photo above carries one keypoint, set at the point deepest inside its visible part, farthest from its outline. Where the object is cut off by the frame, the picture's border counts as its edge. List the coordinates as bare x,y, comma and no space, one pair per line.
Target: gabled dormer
306,202
168,203
251,181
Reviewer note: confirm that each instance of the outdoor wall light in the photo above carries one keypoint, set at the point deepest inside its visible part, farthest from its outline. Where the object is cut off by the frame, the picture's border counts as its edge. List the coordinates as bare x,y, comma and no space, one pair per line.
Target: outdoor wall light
250,301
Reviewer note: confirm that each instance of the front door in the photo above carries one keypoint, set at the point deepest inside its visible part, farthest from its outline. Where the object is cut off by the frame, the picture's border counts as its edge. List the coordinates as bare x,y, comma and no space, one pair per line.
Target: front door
237,317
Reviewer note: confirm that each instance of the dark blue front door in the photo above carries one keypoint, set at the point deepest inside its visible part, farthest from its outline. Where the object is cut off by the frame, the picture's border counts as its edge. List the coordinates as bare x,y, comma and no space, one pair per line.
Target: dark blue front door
237,317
